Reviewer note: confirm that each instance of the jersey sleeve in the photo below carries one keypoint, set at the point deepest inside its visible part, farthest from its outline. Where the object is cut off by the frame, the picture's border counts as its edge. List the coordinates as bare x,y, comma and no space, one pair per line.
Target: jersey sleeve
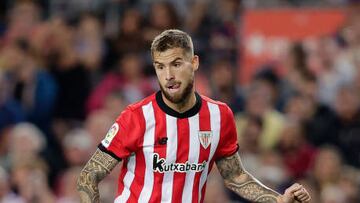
228,144
122,139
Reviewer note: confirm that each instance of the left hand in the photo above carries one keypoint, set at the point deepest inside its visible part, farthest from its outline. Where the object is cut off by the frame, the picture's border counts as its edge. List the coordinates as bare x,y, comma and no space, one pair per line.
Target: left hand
295,193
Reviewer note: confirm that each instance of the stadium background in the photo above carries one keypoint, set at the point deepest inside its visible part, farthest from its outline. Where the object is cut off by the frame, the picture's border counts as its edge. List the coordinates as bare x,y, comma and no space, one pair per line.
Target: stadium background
289,69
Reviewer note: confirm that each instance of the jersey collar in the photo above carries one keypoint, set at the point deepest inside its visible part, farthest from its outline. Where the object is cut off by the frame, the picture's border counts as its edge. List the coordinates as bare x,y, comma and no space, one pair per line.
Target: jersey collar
189,113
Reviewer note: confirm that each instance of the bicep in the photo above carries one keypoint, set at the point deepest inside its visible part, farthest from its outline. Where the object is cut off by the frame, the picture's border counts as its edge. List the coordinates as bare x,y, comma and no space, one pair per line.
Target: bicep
230,167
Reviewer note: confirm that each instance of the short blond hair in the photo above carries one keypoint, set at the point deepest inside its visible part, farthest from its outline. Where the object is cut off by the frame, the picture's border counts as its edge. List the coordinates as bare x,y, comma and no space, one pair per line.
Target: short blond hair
172,38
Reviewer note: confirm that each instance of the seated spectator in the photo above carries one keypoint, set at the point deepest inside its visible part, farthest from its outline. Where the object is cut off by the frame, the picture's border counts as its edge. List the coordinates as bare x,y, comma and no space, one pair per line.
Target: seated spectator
130,38
258,103
97,125
128,78
77,145
347,107
29,178
26,143
297,154
66,191
318,119
335,183
6,195
11,111
162,16
224,86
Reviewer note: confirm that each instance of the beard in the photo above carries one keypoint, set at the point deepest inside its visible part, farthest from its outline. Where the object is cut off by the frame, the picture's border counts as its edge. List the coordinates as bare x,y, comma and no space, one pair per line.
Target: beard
181,97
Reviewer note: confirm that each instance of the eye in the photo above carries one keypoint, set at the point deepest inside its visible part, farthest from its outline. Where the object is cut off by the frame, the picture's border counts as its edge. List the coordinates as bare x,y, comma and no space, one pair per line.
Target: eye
177,64
160,67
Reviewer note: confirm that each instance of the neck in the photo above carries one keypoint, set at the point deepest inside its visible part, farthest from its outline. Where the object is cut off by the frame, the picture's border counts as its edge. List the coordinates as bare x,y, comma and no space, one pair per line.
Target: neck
181,107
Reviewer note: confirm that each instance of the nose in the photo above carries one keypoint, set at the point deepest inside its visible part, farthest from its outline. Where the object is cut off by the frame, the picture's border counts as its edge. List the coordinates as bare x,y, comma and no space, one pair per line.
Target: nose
169,74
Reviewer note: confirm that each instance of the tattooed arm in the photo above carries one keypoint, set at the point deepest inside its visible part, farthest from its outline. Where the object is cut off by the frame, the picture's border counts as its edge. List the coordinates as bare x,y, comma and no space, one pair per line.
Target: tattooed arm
94,171
245,185
242,183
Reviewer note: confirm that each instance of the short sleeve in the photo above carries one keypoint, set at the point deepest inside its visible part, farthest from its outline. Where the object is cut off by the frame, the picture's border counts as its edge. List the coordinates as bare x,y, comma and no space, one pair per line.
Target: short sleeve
122,139
228,144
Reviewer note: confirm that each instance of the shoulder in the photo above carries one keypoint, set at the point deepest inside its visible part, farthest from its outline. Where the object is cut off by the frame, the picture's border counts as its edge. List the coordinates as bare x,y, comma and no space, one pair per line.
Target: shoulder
133,114
222,106
137,106
212,101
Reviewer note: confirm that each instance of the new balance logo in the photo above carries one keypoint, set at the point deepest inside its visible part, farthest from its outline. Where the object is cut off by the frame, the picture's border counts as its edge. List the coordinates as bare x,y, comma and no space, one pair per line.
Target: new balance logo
159,165
162,140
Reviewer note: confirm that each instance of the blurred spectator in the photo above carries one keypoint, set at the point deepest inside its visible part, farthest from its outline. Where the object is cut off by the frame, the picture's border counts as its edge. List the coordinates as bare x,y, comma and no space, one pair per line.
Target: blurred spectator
272,171
336,70
162,16
32,86
30,180
6,195
249,139
130,37
71,74
127,78
223,36
224,86
268,76
11,111
26,142
89,42
298,155
97,124
77,145
332,178
23,18
318,119
67,192
296,71
258,103
347,108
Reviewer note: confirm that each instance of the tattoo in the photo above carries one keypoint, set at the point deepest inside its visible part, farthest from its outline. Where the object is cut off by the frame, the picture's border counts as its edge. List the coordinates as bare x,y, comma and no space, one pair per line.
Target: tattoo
94,171
242,183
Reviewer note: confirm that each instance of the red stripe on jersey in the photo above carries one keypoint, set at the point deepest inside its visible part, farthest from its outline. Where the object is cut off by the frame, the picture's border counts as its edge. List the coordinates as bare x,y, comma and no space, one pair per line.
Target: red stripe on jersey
159,148
182,156
138,182
204,125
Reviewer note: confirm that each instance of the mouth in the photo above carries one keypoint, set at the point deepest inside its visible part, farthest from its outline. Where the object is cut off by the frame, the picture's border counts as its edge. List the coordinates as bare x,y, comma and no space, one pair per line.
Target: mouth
173,87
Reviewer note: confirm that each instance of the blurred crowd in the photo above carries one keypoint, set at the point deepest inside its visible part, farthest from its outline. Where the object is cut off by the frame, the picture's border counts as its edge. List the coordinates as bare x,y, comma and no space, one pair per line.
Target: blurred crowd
68,68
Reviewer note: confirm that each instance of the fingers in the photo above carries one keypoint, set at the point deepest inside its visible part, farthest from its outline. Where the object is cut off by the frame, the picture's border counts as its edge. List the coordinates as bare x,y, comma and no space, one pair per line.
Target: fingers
302,194
292,189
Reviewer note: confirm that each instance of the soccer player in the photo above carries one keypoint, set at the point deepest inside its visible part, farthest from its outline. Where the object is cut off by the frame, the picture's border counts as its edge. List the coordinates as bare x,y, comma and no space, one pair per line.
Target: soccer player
169,141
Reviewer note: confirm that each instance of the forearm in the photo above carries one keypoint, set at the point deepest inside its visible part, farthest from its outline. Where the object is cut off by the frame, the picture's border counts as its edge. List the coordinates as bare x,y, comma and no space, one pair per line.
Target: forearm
88,186
251,189
94,171
242,183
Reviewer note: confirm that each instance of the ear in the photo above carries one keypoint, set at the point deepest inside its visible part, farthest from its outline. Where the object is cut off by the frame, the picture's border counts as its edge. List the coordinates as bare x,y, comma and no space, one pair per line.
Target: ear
195,62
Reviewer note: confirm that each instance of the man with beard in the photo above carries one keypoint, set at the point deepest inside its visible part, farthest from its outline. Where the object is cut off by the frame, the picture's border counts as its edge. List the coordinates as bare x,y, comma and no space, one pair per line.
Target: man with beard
169,141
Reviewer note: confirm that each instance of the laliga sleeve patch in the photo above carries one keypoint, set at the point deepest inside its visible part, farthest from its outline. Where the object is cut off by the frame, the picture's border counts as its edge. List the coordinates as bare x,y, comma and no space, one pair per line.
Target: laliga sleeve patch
110,135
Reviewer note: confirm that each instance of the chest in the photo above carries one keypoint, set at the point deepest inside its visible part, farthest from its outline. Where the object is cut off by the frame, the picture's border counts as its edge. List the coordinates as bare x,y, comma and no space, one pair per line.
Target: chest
180,145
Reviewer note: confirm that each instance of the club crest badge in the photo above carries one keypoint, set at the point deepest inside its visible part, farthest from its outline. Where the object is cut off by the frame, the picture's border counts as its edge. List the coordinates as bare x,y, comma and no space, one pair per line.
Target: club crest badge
205,138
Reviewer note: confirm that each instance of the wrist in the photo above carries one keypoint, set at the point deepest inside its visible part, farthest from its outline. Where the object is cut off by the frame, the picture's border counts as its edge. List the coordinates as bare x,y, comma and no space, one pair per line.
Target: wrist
279,199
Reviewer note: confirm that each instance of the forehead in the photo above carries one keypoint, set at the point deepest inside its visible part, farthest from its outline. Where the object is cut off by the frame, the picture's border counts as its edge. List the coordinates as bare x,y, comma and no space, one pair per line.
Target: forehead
169,55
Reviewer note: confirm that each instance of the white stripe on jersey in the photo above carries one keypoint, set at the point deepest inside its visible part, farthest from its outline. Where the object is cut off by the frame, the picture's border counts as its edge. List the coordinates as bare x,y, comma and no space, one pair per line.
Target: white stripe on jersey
215,128
128,179
171,151
194,151
148,149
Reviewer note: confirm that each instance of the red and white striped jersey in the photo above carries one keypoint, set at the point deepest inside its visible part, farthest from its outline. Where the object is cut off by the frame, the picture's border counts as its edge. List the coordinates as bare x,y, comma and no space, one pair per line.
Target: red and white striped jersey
167,155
